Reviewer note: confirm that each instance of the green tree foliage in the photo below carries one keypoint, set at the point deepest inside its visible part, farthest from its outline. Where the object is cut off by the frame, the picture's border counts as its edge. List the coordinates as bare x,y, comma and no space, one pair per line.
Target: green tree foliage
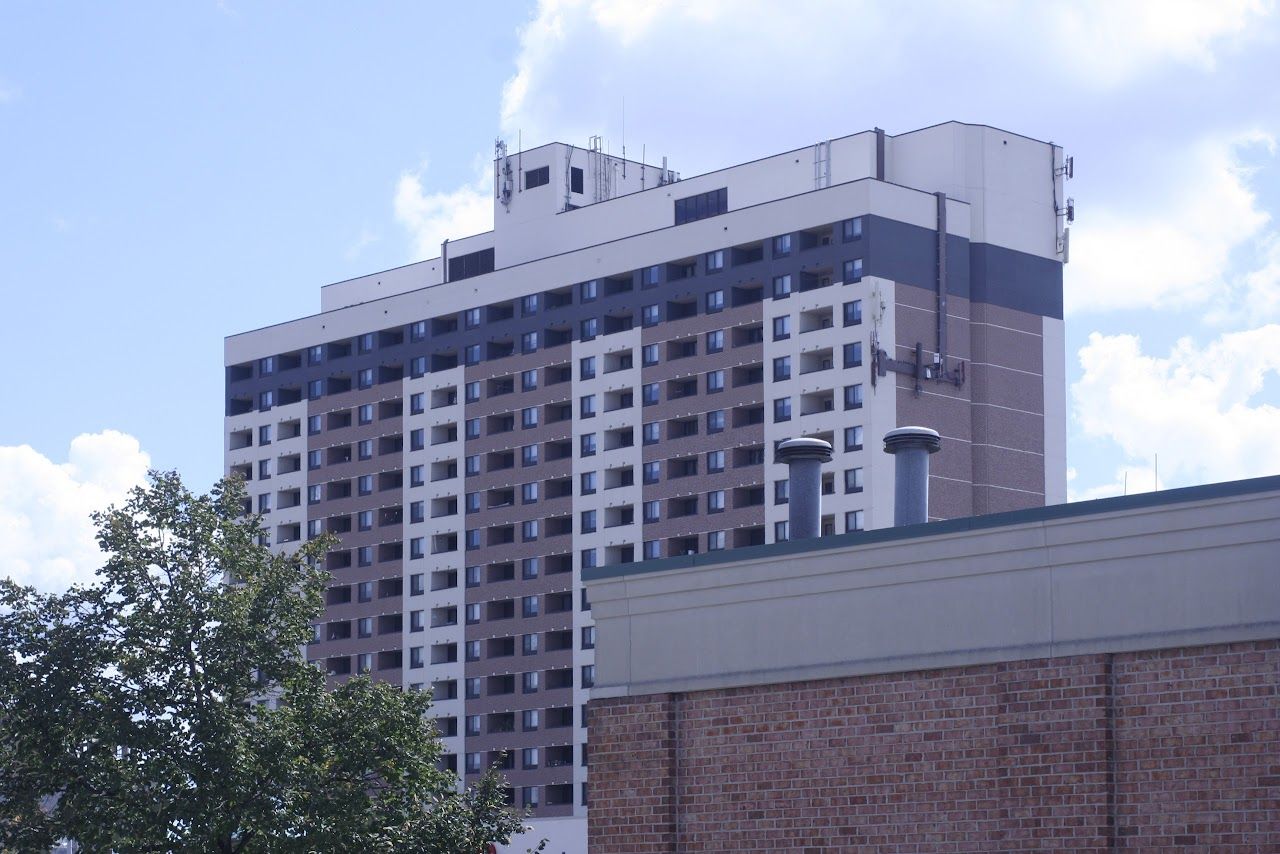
166,707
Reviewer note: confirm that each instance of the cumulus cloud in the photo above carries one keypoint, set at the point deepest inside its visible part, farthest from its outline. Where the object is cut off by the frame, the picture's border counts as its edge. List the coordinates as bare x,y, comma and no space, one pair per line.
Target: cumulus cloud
1129,480
649,51
1179,251
1195,407
430,217
46,536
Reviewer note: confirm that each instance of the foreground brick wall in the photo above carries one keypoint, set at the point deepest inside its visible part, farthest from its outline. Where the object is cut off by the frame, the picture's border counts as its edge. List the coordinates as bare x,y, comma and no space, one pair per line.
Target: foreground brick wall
1145,750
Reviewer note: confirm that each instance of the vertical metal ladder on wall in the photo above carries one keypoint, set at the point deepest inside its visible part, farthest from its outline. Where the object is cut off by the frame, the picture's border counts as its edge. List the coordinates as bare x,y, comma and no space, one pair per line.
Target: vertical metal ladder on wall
602,167
822,165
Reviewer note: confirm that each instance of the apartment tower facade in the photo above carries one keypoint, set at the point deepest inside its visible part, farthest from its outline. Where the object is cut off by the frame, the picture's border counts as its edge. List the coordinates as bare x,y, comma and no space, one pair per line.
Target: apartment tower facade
602,379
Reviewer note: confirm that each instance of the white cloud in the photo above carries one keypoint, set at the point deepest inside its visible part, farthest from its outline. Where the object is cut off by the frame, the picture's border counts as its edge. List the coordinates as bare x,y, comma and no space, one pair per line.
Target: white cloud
46,536
1129,480
432,217
683,62
1178,252
1195,408
363,241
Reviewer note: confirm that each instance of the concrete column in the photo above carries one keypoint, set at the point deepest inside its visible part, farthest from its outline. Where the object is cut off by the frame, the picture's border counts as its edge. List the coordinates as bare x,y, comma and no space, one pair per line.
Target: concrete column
911,447
804,459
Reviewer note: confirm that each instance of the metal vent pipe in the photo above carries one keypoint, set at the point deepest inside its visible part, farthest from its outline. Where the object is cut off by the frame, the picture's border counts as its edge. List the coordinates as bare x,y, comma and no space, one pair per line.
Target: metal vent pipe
911,447
804,459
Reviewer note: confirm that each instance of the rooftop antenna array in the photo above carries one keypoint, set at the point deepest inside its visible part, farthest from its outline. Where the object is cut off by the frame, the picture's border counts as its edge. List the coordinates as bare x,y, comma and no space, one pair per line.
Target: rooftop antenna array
504,182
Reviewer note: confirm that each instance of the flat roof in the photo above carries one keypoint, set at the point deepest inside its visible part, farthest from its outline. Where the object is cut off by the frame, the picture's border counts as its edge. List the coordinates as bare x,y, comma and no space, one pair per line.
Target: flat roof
790,548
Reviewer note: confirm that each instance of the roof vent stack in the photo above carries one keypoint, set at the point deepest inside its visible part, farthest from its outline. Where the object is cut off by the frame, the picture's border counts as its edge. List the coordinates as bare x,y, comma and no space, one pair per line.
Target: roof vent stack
911,447
804,459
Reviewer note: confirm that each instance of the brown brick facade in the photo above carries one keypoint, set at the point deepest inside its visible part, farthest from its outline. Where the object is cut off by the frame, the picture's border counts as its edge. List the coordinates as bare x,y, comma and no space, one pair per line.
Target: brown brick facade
1141,751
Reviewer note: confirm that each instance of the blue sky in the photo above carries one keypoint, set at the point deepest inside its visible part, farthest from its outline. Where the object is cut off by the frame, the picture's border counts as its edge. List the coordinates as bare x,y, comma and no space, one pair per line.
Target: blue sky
173,173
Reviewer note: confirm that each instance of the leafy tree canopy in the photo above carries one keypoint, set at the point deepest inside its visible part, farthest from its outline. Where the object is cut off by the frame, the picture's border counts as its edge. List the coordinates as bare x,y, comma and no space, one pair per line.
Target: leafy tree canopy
166,707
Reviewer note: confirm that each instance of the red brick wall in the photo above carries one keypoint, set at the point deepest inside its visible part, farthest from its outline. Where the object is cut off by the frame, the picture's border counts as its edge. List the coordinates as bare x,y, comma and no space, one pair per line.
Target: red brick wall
1142,750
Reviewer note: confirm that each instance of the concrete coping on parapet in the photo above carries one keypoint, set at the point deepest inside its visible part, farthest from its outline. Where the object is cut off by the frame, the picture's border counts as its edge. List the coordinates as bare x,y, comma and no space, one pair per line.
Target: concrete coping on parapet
786,549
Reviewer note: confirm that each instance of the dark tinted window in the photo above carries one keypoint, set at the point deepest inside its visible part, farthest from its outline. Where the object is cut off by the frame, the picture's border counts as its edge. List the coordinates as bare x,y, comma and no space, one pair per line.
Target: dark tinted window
473,264
537,177
575,179
701,206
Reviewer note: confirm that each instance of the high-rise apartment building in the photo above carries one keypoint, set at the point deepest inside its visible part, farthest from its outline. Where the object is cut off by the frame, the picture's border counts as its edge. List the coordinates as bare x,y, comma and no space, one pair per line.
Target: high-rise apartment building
602,379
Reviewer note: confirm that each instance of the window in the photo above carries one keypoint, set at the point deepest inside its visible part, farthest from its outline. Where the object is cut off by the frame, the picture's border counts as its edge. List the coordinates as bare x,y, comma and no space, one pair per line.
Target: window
649,276
528,342
417,512
588,291
715,461
472,540
473,725
473,576
853,271
418,366
415,657
314,493
853,438
417,403
364,414
649,394
315,424
782,409
364,520
473,465
853,521
471,355
652,549
575,179
652,472
529,644
417,475
781,287
715,381
853,480
264,502
715,301
315,459
588,524
715,261
364,556
417,440
588,637
472,392
416,621
364,343
529,417
782,327
587,483
364,591
651,433
853,313
264,434
853,354
715,541
529,568
588,675
529,305
529,530
472,651
264,469
715,341
529,455
529,684
851,229
365,378
473,759
537,177
471,318
649,355
267,366
364,484
701,206
782,368
782,245
649,315
590,328
715,421
587,445
473,612
652,511
315,355
588,558
780,532
715,501
853,396
529,606
781,491
529,717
